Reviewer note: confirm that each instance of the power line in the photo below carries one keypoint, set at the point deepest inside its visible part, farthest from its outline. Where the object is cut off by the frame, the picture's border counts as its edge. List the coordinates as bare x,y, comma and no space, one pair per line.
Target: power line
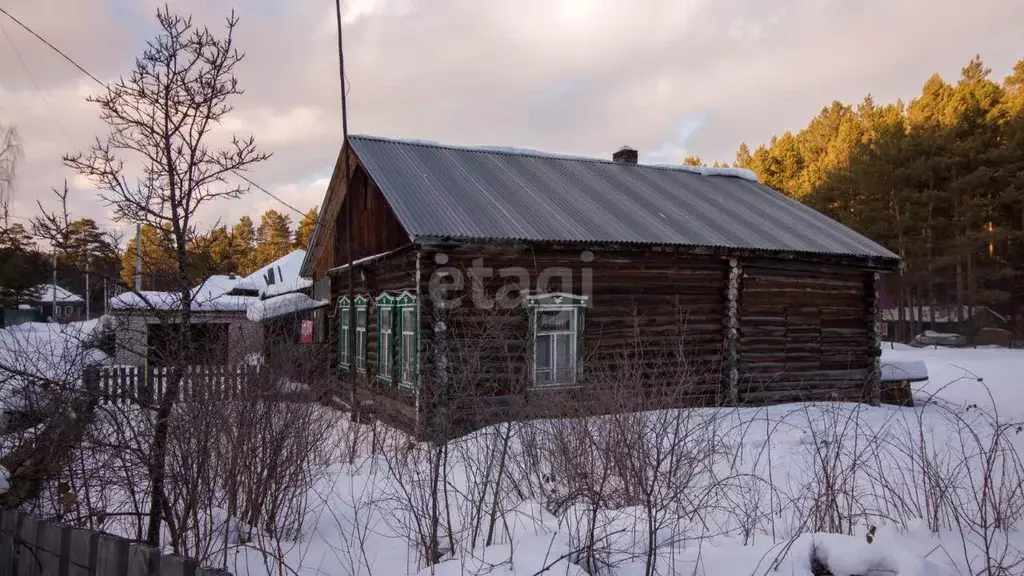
267,192
97,80
52,47
34,83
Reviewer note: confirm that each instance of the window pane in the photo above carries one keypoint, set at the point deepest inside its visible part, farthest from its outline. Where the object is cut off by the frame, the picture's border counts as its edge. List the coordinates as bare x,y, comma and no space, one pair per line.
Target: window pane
408,320
408,359
360,318
553,320
385,320
563,350
543,377
543,353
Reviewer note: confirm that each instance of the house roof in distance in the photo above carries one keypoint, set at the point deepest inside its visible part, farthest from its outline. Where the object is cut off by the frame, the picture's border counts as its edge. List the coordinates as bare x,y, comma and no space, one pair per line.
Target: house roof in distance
286,270
64,296
449,192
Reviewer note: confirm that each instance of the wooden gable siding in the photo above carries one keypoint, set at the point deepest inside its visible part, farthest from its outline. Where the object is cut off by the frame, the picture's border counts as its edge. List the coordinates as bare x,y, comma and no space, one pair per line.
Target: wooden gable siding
375,228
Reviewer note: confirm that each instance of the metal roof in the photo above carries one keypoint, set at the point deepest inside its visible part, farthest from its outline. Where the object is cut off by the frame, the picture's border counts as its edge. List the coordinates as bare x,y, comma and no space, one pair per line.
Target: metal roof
439,191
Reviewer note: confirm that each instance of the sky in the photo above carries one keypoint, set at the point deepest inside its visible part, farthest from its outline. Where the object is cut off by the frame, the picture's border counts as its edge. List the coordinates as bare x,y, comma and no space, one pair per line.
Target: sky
583,77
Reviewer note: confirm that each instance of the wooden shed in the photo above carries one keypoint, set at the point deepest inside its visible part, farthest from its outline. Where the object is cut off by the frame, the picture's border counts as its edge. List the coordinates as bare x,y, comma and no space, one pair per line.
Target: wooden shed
470,285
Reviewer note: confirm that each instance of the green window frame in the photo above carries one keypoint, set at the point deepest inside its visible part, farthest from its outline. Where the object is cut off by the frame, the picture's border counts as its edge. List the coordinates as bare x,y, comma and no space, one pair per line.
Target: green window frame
385,305
408,340
556,338
347,350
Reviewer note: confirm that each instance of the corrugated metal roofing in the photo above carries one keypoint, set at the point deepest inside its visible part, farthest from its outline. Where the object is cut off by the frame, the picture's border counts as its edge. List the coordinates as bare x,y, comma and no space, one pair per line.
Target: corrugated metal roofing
475,193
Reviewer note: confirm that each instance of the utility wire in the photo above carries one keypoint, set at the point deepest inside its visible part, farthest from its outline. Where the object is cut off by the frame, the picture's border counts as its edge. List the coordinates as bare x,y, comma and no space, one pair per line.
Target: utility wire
97,80
32,78
52,47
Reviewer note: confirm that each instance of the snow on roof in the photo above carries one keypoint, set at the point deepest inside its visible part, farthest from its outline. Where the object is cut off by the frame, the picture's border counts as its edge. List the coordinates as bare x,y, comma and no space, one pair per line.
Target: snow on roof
286,287
168,301
285,304
36,352
215,286
286,269
939,315
46,294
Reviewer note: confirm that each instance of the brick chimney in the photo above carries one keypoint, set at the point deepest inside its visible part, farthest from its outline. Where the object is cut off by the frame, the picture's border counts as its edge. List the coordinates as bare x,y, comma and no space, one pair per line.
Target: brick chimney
625,155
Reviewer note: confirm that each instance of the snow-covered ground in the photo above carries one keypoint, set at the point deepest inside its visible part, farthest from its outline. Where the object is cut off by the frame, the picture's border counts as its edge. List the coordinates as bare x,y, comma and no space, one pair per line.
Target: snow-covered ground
765,489
753,490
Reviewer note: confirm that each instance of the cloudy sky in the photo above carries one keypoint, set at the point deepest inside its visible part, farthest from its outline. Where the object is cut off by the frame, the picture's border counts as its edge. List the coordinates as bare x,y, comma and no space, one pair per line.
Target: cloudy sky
668,77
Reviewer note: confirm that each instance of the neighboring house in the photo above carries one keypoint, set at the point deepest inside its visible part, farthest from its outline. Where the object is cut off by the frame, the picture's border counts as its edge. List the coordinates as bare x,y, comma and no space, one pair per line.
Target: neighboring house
70,307
964,320
610,269
221,332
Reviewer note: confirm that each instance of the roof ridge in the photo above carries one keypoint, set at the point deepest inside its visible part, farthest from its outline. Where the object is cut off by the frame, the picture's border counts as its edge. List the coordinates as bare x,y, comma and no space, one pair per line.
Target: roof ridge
530,153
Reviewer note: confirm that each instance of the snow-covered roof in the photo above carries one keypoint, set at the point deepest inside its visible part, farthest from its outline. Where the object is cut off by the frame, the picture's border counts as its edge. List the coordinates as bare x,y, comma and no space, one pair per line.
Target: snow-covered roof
939,314
215,286
168,301
286,287
281,305
63,296
286,269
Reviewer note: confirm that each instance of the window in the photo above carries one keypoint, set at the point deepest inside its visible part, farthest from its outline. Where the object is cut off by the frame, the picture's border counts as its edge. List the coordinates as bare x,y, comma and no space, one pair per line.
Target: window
556,328
67,311
409,345
361,335
344,340
345,345
385,338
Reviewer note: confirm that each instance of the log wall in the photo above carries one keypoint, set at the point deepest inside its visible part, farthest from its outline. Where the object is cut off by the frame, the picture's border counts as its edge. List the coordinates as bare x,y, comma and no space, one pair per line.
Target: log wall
804,332
670,327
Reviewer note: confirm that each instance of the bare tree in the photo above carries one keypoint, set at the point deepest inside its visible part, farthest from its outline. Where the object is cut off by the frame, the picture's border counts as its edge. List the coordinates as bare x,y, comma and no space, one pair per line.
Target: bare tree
11,154
162,117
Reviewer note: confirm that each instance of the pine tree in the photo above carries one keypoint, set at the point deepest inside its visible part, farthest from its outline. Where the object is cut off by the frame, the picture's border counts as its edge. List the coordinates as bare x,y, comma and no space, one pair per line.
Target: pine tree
692,161
243,246
273,237
305,228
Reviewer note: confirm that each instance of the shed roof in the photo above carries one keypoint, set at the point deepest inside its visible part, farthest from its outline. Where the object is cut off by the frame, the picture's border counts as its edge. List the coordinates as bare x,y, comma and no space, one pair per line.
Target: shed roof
439,191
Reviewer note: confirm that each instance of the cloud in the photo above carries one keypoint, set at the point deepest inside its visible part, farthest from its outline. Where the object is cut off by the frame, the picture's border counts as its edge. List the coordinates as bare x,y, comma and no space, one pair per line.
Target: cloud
570,76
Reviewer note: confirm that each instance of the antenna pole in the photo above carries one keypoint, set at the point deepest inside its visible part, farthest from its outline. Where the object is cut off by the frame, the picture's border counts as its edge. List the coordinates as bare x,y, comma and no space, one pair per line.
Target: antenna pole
345,151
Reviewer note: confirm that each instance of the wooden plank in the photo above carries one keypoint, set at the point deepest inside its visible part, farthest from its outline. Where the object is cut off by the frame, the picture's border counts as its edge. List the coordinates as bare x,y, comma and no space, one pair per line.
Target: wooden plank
142,560
27,550
8,532
112,556
173,565
49,542
83,553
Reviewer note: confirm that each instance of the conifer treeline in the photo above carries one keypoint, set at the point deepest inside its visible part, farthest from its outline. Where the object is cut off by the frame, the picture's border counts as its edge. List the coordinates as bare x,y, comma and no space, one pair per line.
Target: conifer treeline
939,181
239,249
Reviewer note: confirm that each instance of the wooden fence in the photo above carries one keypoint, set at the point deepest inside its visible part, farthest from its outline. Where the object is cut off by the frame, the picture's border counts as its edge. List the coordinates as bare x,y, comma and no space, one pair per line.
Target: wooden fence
31,547
144,385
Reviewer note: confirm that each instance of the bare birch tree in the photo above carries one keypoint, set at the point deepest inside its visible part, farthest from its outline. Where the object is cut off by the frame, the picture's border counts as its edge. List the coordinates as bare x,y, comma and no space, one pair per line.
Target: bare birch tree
161,119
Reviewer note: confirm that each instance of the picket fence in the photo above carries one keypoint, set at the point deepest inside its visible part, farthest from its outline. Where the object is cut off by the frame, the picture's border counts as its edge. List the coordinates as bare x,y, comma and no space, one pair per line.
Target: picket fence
32,547
144,385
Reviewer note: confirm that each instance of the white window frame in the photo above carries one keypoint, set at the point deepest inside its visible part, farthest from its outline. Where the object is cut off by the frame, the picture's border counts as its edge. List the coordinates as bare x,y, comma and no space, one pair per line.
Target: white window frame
360,343
345,353
409,366
556,302
386,351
